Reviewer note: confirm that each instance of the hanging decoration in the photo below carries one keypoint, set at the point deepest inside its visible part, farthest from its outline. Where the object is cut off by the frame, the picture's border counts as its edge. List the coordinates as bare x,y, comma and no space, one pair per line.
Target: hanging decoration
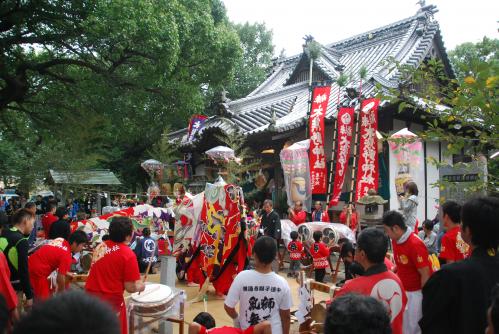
407,148
196,124
318,171
296,168
345,121
367,171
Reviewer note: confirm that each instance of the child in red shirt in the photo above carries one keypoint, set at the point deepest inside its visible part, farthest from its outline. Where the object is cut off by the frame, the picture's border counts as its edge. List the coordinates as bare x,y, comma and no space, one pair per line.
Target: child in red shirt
204,323
295,249
320,254
115,269
55,255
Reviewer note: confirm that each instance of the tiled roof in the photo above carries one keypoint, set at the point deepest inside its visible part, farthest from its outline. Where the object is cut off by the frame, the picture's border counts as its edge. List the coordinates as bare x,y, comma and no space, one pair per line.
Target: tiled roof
407,42
95,177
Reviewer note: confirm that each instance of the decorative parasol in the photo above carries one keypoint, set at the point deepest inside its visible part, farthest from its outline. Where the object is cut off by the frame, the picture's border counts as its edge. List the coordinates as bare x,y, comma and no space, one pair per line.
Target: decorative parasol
151,166
221,153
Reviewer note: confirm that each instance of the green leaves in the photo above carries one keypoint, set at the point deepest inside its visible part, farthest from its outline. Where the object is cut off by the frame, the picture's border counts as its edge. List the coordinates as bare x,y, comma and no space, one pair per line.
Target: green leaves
106,77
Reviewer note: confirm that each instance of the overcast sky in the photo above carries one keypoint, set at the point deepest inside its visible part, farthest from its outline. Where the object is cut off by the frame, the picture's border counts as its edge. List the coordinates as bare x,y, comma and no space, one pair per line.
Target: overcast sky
333,20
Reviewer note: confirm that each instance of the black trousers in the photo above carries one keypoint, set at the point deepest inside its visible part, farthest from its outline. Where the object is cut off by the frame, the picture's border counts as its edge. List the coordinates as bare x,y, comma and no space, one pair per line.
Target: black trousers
319,274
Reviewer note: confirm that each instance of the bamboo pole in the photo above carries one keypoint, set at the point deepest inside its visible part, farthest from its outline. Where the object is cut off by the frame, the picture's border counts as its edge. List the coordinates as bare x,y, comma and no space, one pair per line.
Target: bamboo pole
355,153
333,151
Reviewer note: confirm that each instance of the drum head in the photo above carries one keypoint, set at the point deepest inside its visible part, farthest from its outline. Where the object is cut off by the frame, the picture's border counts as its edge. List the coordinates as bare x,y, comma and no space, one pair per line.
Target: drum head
154,293
329,236
304,233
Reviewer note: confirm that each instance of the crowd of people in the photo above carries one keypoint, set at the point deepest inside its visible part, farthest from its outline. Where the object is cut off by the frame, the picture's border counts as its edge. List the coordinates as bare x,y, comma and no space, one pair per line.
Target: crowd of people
391,285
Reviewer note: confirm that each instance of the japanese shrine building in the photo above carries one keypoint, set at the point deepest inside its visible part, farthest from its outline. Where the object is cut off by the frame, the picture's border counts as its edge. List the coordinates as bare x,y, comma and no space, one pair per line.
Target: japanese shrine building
275,113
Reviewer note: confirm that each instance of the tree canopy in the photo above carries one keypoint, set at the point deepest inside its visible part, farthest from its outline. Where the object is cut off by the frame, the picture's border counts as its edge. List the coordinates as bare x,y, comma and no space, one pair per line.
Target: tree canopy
94,83
461,112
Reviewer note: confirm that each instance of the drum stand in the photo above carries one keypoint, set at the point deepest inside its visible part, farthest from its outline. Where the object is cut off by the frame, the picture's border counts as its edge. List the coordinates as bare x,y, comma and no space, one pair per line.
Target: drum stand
138,324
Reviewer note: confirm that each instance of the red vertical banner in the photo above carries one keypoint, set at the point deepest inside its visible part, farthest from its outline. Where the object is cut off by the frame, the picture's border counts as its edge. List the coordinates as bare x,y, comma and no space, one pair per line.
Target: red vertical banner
345,128
318,171
367,168
196,123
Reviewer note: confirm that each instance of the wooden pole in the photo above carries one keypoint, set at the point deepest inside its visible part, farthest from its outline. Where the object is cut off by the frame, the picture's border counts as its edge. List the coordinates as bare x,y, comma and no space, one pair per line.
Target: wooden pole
333,151
354,163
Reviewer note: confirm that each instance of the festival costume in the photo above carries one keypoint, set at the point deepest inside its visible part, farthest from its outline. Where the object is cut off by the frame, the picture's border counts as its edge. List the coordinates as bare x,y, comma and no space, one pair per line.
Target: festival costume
320,216
295,249
47,221
320,255
298,217
410,255
55,255
453,246
226,330
380,283
113,265
353,220
456,298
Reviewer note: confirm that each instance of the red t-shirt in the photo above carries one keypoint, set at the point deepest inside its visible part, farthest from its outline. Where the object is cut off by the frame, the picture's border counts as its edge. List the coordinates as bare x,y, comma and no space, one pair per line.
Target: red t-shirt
115,265
56,254
6,288
385,287
295,249
299,218
320,255
410,256
353,220
47,221
453,246
226,330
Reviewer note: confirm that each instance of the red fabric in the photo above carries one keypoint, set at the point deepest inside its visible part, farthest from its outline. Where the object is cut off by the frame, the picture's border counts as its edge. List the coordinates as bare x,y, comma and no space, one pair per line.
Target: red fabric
47,221
344,129
324,216
410,256
224,281
389,264
320,255
318,171
299,217
453,246
194,273
220,232
226,330
6,288
295,249
368,171
162,247
109,273
55,255
385,287
353,220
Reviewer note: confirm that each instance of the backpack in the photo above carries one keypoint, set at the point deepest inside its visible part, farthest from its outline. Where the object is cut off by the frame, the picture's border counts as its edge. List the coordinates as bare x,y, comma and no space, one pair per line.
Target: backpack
10,250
